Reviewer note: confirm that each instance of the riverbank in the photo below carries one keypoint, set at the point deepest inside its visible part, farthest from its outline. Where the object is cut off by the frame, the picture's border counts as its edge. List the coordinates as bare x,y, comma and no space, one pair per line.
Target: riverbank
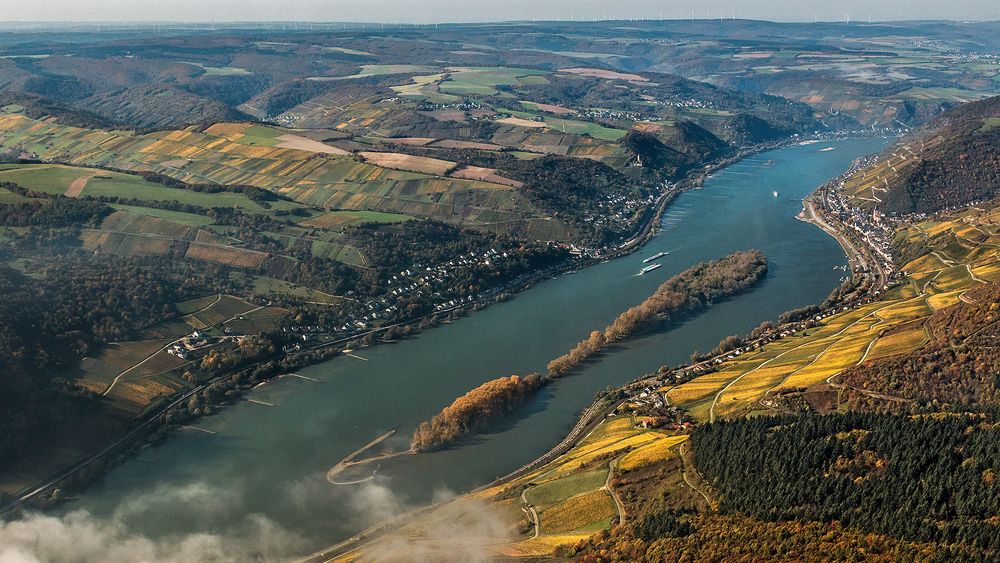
405,383
591,417
150,429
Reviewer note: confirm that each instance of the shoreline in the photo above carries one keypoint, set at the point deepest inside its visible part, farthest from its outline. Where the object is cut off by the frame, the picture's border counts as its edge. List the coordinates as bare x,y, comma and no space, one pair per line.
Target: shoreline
589,419
144,432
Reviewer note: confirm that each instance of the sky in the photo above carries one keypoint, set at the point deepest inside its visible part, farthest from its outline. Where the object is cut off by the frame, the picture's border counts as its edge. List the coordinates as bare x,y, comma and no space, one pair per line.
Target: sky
432,11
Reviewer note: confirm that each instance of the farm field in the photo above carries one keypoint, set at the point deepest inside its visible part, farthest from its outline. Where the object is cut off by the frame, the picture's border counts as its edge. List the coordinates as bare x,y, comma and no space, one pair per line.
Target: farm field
58,179
341,219
891,326
99,371
219,309
223,154
133,374
263,285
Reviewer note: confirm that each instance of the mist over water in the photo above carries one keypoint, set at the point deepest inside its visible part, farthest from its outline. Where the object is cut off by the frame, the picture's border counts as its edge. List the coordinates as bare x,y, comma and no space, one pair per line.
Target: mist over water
262,475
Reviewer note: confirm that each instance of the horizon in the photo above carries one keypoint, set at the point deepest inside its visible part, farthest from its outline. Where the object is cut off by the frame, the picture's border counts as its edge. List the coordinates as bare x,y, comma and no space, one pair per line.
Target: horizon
429,12
232,24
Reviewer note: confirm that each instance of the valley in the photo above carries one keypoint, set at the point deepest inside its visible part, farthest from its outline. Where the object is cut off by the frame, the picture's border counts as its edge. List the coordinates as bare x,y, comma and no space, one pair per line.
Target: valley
263,288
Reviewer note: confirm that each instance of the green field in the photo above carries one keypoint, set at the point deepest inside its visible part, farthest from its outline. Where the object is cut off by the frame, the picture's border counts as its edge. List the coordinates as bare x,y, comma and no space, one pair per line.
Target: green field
585,128
557,490
260,135
379,70
342,219
192,305
222,309
263,285
990,123
180,217
216,156
56,179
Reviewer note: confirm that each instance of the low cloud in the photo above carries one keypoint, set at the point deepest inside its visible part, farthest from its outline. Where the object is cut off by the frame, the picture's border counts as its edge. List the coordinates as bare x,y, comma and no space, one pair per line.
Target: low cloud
462,530
79,536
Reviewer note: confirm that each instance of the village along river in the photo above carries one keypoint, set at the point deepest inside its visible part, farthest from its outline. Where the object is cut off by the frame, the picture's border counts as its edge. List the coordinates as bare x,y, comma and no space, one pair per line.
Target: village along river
272,461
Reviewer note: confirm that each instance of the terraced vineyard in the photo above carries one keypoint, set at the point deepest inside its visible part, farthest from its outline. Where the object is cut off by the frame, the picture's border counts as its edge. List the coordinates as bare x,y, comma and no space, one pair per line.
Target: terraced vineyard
950,163
865,186
890,326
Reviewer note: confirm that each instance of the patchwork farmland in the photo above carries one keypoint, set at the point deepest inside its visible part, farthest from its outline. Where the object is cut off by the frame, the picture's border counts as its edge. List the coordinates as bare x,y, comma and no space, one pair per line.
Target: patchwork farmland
315,179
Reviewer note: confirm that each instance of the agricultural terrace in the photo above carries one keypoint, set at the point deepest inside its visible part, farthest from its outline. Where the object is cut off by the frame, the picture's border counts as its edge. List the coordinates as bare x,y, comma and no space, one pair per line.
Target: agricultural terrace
564,126
74,181
564,501
449,85
864,187
243,154
549,129
962,255
135,230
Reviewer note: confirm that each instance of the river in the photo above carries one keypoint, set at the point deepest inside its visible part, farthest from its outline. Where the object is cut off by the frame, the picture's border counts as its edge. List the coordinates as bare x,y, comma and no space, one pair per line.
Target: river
272,461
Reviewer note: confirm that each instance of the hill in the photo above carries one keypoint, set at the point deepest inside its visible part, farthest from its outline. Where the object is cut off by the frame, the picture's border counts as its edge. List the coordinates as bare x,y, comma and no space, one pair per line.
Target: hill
160,106
953,161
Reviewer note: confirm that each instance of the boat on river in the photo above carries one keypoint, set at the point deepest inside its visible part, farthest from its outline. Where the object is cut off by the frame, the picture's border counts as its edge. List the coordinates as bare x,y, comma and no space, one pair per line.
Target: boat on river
649,268
655,256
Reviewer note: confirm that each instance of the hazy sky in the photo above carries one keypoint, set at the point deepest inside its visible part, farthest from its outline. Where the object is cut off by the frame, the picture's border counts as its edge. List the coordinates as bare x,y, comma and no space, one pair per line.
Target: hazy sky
427,11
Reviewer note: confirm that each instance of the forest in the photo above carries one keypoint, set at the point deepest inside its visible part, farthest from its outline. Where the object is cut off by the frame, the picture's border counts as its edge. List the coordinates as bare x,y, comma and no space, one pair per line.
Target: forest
929,478
57,212
690,291
44,328
734,537
576,190
962,168
472,411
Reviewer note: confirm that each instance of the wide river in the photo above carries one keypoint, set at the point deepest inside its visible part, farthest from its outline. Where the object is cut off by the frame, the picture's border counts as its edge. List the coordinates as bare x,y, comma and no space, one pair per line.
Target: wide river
272,461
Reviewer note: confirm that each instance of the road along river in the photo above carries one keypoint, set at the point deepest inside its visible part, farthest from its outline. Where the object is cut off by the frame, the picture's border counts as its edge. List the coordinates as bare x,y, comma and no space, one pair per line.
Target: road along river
272,460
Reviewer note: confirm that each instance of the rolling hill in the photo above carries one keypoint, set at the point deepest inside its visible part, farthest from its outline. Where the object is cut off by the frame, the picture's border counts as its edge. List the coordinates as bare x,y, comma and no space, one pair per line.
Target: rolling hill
953,161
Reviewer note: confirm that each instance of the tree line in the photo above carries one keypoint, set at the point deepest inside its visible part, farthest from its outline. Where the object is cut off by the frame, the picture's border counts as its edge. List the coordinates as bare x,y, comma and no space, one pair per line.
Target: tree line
692,290
472,411
58,212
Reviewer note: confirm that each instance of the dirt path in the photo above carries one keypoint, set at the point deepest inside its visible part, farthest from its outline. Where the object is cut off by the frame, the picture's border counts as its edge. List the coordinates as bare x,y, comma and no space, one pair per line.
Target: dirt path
973,275
531,512
715,401
146,359
619,505
169,344
687,468
947,261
